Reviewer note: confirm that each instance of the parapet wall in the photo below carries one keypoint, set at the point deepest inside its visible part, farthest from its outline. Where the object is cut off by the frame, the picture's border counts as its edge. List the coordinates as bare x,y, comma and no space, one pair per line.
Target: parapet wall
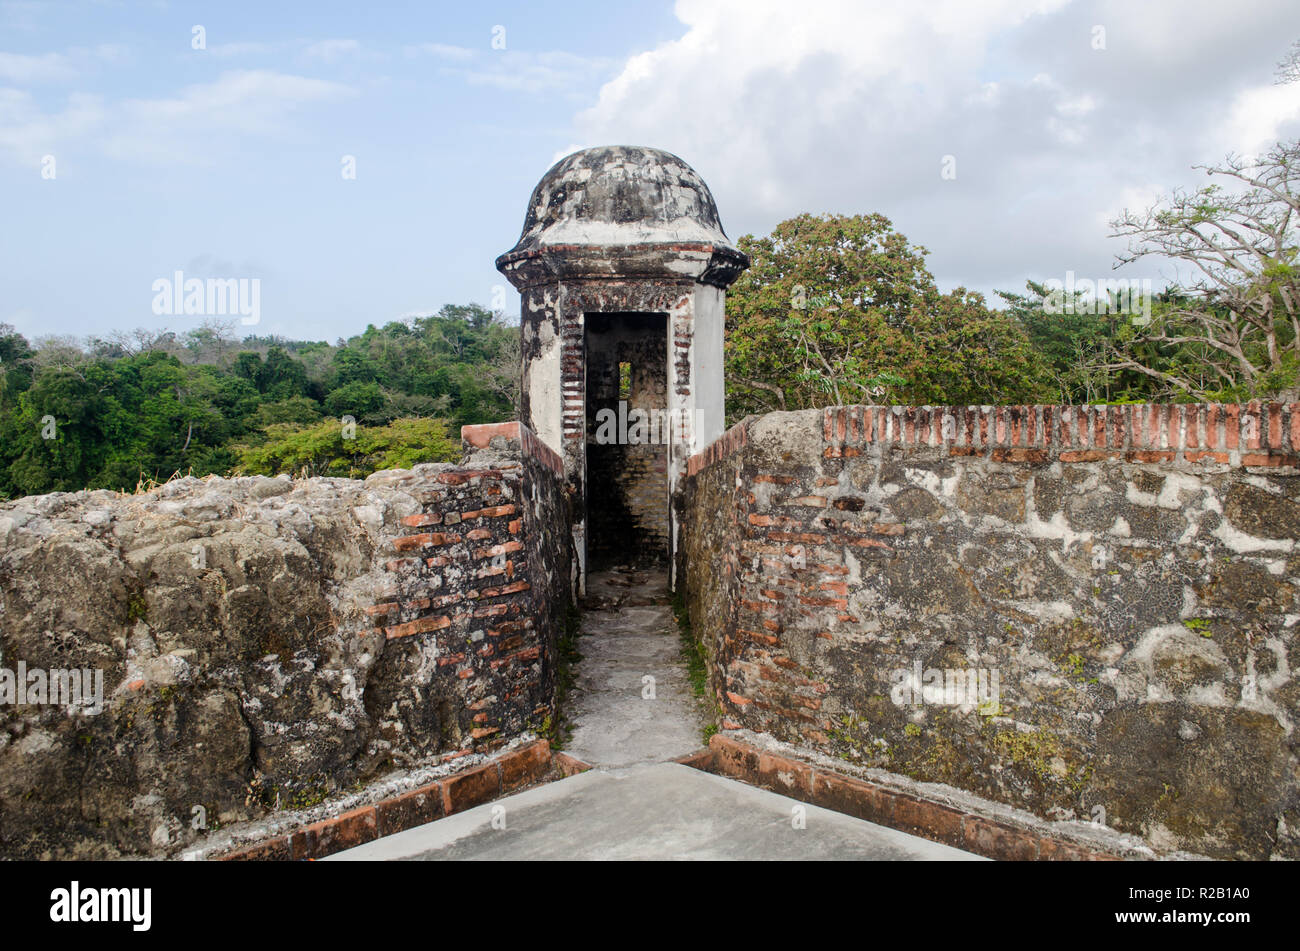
265,643
1086,612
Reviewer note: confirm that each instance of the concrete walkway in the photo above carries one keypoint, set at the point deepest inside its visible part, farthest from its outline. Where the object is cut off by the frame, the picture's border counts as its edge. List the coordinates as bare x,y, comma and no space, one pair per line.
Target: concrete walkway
629,634
659,811
636,803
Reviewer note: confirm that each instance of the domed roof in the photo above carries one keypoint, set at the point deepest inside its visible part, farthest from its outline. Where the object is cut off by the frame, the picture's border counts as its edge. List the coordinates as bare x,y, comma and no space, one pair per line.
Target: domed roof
620,196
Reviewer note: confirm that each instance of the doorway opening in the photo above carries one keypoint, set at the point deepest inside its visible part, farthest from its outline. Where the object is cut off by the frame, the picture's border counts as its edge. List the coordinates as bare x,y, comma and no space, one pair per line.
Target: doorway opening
627,440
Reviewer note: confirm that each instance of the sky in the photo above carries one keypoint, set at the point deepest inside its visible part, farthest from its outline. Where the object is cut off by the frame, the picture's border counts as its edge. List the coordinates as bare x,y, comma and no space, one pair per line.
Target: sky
138,139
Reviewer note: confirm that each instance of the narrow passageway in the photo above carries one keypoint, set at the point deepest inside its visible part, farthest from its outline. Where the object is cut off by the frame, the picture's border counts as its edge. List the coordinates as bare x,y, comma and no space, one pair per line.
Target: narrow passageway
629,634
636,803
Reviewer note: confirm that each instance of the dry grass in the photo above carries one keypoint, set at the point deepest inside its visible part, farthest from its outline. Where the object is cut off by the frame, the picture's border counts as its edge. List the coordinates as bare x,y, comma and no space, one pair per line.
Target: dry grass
148,484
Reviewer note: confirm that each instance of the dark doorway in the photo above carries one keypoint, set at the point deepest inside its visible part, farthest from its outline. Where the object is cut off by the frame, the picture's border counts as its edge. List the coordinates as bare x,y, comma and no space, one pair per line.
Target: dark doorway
627,435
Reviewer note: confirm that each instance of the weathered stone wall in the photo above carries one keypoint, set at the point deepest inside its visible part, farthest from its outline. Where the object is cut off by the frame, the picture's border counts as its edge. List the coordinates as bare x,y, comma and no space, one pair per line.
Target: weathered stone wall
267,642
707,556
1128,573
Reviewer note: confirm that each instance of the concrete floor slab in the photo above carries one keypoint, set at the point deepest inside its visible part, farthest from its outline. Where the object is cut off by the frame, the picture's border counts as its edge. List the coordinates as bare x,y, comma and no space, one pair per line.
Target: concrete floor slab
659,811
628,634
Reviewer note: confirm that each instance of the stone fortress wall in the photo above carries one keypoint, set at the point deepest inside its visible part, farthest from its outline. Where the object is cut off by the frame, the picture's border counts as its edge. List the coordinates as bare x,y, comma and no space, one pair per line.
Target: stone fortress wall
266,643
1128,573
1106,596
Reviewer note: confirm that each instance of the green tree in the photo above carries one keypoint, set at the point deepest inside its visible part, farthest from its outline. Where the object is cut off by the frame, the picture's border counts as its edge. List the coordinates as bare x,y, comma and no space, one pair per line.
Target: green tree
839,309
145,404
361,401
326,449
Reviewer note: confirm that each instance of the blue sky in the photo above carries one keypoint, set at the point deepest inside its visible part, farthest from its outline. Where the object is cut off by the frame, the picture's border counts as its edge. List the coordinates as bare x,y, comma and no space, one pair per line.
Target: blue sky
447,149
226,161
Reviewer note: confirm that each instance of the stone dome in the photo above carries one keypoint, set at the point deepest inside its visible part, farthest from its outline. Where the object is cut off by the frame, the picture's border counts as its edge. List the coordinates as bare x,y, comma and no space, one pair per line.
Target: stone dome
620,196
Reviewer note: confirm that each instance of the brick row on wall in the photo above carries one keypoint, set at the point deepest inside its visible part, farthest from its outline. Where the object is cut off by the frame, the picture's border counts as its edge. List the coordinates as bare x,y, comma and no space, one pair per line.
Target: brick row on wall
508,772
683,330
1259,433
460,585
534,448
474,591
730,441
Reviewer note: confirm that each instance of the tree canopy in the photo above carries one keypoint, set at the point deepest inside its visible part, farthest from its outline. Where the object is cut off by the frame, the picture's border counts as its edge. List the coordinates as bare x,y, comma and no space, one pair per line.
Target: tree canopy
142,406
841,309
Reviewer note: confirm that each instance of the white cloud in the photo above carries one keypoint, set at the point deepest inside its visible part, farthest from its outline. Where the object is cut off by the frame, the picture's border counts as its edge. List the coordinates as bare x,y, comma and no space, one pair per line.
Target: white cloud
538,72
331,50
459,54
25,69
251,48
1257,117
22,14
851,106
190,127
27,133
533,72
28,69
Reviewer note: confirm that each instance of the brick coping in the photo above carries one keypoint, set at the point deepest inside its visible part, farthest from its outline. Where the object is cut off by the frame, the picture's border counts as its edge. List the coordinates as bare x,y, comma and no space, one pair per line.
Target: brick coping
1258,434
729,442
986,834
511,771
1248,434
480,436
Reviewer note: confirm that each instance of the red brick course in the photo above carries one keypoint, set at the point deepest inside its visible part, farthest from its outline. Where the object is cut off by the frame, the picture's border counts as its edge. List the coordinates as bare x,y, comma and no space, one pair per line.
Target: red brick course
505,774
1034,434
733,439
939,822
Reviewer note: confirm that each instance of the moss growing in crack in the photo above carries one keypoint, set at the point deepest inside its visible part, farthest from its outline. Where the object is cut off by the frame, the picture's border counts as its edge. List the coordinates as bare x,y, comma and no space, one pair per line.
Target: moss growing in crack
943,761
1035,751
1169,795
844,728
842,732
696,655
557,729
306,798
1032,750
1073,665
290,796
137,608
694,651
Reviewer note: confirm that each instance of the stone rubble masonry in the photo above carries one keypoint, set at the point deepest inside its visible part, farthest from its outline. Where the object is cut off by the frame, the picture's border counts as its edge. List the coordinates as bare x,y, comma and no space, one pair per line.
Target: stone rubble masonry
1130,574
266,643
515,437
507,773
